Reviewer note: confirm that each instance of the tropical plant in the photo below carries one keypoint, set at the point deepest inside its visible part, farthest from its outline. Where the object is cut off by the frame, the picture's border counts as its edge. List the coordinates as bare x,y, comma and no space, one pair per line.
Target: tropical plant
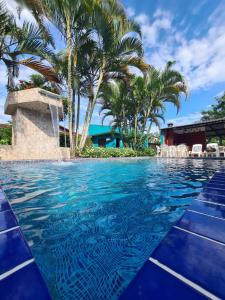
134,107
115,152
216,111
6,135
162,86
67,16
116,50
36,80
23,46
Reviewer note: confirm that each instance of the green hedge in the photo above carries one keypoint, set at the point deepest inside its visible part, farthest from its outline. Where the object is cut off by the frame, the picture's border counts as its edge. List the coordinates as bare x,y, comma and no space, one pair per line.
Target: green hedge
115,152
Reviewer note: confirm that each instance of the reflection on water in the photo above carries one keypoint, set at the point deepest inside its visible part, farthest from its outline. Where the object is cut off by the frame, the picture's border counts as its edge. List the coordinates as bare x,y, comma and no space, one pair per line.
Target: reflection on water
92,224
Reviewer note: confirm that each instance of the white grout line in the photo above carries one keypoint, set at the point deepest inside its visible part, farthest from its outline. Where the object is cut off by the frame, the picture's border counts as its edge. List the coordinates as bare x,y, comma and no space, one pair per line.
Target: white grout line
17,268
210,202
9,229
212,188
184,279
199,235
204,214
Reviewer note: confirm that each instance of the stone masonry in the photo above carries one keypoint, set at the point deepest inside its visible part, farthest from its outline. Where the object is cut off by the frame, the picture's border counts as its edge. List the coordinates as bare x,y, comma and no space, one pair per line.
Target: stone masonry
35,114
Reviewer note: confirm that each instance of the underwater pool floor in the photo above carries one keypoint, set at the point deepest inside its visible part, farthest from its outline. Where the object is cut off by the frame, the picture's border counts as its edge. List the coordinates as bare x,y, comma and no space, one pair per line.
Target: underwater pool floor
91,225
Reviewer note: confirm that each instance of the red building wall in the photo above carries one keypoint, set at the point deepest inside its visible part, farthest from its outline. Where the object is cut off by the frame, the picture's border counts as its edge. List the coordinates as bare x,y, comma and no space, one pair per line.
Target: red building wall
190,139
171,138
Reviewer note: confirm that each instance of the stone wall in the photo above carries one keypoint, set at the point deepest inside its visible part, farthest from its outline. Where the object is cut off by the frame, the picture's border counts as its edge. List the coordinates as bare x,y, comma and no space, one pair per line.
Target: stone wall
34,126
33,135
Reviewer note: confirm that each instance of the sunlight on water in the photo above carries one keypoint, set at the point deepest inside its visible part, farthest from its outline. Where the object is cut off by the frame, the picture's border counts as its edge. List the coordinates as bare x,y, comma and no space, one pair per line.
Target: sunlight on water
92,224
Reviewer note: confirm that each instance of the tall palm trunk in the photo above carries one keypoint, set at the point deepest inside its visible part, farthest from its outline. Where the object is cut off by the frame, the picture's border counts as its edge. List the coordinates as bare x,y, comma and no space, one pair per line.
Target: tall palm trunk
149,128
147,114
92,106
77,117
69,48
135,131
73,110
85,122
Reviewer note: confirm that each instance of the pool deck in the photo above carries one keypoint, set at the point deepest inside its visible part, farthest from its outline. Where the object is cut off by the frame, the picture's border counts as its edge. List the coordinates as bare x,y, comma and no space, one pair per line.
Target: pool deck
20,278
189,263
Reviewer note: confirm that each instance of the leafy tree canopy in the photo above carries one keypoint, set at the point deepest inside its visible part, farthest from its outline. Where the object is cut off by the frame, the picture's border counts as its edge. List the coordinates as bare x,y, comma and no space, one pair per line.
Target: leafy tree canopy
216,111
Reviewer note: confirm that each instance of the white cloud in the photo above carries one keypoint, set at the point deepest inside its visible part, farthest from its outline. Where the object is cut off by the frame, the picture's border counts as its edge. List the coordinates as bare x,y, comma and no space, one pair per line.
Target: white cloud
25,14
130,12
220,94
189,119
152,28
201,60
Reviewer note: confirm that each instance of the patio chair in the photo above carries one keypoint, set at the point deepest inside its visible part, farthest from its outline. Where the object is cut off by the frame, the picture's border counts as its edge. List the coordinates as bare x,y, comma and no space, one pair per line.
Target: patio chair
172,151
182,150
164,150
221,151
196,150
212,150
158,150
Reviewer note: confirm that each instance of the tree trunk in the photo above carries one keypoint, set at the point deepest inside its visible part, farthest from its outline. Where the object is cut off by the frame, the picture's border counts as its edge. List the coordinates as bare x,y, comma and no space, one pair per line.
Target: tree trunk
73,111
149,128
85,123
86,127
147,114
69,48
135,132
78,117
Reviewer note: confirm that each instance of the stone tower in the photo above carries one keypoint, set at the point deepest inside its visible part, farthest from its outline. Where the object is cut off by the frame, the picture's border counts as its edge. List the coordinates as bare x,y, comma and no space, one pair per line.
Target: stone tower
35,124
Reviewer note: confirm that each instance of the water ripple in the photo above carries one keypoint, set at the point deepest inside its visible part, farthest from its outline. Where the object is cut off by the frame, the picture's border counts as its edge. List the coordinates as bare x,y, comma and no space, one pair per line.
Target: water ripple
92,224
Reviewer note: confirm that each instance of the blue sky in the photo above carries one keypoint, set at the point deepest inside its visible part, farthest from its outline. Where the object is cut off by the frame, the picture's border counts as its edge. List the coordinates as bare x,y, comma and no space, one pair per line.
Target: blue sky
190,32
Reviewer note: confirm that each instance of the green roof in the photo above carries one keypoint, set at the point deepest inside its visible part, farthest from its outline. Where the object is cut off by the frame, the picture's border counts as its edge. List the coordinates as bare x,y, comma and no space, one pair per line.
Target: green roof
100,130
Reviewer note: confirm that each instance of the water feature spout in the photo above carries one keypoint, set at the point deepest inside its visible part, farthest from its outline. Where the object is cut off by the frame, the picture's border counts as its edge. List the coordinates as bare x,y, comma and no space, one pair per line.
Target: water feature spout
55,127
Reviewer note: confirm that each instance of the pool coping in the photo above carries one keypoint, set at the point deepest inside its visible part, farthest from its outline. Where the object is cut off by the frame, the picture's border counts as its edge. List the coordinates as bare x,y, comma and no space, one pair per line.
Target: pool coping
189,262
20,277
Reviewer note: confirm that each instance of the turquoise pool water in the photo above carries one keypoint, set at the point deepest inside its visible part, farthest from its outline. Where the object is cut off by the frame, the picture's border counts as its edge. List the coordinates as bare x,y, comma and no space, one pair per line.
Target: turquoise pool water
92,224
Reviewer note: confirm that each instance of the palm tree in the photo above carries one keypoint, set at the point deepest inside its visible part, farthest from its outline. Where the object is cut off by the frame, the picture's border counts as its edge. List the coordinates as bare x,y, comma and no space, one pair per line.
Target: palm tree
163,86
115,52
114,99
17,42
135,107
66,16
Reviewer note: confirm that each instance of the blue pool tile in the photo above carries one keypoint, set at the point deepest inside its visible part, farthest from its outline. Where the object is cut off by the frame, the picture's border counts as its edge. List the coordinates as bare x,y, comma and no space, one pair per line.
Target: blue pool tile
215,210
198,259
25,284
215,191
4,205
216,185
13,250
218,180
211,197
210,227
7,220
219,176
153,283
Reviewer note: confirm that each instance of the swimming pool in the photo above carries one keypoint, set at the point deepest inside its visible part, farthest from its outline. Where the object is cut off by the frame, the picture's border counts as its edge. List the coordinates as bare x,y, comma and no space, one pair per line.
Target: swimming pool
92,224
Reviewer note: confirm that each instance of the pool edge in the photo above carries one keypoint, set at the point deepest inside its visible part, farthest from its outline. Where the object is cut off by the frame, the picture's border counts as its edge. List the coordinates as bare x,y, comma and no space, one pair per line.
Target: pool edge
20,277
167,274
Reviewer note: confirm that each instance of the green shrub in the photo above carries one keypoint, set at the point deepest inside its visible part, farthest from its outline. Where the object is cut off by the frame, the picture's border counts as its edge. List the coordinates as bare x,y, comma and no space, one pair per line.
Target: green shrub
6,136
146,152
114,152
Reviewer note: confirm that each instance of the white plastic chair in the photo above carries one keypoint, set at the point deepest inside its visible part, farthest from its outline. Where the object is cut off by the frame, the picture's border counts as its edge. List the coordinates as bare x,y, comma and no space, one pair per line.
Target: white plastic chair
182,150
212,150
172,151
222,151
196,150
164,150
158,150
